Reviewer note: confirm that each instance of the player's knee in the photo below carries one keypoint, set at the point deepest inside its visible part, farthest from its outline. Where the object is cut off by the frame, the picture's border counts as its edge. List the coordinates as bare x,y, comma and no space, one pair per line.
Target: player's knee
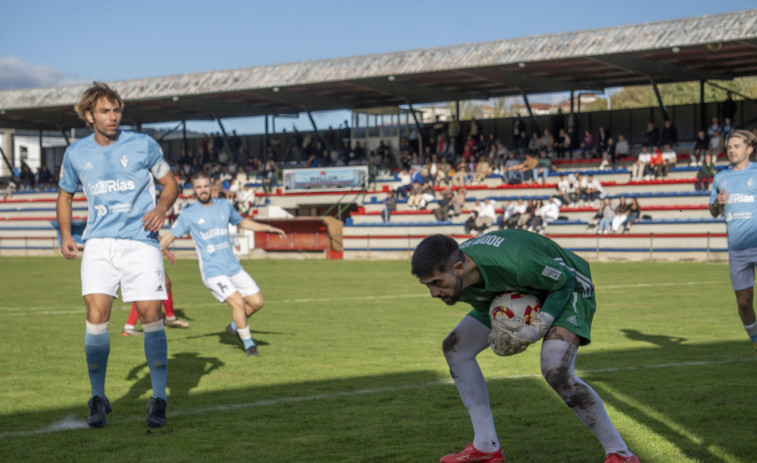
449,345
558,377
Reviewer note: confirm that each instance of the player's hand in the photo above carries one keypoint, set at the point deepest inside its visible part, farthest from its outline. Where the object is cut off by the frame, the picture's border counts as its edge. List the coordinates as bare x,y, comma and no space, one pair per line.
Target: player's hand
153,220
69,248
722,197
502,343
282,234
532,333
170,256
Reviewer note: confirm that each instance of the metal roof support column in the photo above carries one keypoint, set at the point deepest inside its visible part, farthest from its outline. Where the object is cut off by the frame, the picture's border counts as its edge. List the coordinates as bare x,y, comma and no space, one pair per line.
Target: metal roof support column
65,137
421,133
703,122
315,127
7,163
530,112
659,100
184,136
265,139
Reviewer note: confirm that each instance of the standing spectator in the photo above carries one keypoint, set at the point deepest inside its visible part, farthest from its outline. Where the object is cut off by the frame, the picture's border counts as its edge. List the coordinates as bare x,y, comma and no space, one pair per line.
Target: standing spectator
122,248
562,144
603,135
651,136
608,155
706,174
26,176
728,190
519,128
669,135
558,121
547,142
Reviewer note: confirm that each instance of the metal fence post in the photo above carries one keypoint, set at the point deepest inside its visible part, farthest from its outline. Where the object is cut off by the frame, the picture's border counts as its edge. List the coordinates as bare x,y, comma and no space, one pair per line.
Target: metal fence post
651,246
707,259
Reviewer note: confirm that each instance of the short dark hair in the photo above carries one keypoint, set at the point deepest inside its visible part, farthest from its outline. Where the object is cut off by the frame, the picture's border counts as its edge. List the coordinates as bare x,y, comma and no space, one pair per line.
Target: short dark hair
199,174
435,254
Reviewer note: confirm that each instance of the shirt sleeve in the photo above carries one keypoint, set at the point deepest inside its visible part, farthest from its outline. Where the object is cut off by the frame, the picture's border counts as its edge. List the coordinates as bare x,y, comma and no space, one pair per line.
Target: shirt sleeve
180,227
234,217
714,190
69,178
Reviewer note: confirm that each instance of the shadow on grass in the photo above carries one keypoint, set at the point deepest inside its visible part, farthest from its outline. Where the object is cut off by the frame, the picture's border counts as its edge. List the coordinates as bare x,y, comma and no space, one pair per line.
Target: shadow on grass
691,397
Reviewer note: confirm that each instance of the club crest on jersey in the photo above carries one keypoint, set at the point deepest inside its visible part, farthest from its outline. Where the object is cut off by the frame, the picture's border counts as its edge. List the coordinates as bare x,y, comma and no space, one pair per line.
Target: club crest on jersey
749,182
201,221
124,161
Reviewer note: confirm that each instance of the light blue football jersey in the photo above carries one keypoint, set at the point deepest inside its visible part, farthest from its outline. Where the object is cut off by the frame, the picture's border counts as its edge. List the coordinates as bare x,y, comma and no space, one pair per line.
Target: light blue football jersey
117,182
209,226
741,211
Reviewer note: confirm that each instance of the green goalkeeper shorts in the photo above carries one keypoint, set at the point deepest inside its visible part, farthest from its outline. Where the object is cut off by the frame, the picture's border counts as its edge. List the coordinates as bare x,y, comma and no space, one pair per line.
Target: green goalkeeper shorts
576,317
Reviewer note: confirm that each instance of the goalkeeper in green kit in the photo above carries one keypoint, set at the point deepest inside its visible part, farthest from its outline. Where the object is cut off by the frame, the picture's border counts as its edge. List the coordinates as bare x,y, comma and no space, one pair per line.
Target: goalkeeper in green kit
515,260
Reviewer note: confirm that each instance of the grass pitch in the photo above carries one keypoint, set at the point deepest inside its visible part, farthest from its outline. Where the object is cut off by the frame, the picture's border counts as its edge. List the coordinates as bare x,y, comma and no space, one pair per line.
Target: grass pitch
351,370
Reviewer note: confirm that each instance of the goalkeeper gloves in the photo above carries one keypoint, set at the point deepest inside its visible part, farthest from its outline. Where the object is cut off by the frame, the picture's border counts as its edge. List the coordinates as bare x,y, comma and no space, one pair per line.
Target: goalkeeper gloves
514,337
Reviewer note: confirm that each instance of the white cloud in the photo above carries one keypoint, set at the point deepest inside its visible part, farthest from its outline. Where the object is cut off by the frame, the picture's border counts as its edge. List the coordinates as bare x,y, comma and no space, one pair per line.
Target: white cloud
17,73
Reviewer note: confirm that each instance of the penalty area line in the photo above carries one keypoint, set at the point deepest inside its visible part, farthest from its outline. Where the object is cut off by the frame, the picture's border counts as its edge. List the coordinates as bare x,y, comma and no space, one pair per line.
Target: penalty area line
69,423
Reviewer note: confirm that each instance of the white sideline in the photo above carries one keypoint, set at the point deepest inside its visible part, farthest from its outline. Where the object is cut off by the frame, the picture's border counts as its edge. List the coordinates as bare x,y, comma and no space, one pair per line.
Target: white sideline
70,423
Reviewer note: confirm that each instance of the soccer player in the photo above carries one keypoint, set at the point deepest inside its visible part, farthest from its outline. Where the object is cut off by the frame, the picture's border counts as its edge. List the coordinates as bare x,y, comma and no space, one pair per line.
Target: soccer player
515,260
733,193
208,221
116,169
171,319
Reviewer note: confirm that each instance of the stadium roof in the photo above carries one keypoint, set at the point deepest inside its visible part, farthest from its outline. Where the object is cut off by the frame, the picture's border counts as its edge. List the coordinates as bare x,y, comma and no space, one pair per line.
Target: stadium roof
702,48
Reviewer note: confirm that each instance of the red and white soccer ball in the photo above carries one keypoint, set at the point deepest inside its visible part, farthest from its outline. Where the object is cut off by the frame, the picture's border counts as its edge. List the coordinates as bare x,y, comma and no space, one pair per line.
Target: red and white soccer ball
513,307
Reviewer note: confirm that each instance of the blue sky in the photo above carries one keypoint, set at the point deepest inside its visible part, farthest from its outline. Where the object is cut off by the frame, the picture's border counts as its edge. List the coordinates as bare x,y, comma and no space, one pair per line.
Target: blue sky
46,43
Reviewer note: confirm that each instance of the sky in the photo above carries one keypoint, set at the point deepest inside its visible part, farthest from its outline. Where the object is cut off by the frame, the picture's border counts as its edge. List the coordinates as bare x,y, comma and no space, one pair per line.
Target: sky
46,43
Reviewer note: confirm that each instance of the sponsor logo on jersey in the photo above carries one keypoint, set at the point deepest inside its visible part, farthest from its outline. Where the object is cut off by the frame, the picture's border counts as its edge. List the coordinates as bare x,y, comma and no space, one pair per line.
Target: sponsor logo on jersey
740,198
101,210
214,232
551,272
111,186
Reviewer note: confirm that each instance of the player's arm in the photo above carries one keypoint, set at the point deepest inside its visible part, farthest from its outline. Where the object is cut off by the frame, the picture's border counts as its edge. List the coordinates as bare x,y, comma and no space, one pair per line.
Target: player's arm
63,212
153,220
248,224
716,207
165,240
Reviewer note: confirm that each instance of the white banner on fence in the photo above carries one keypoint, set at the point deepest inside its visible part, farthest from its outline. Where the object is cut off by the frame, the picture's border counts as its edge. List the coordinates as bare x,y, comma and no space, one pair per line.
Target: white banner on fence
328,178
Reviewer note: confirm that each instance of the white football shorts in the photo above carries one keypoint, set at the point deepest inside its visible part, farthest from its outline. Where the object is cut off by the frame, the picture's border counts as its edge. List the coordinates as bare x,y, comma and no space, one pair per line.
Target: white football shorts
224,286
134,265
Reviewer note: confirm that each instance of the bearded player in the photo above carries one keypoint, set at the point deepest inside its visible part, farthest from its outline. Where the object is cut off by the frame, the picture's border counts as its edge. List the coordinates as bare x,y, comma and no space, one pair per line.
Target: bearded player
515,260
208,221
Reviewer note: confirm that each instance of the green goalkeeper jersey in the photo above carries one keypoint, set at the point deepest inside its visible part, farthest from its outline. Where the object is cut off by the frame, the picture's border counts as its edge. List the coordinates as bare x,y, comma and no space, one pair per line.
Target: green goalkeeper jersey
518,260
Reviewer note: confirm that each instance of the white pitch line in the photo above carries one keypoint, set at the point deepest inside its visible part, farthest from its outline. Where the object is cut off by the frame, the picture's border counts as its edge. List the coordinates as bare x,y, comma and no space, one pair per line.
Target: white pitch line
69,423
66,310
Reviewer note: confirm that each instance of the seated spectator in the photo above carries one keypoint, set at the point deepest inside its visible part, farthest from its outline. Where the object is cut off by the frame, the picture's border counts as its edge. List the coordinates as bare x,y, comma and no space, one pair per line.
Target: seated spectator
543,166
701,146
470,223
483,169
606,213
44,177
716,144
562,144
727,127
487,215
634,213
26,176
443,174
404,183
545,215
527,167
593,189
669,159
714,127
520,145
622,148
512,212
428,194
608,155
458,202
533,144
640,168
587,144
565,190
656,163
461,177
445,203
525,217
547,142
578,185
621,214
510,172
390,205
415,196
706,173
